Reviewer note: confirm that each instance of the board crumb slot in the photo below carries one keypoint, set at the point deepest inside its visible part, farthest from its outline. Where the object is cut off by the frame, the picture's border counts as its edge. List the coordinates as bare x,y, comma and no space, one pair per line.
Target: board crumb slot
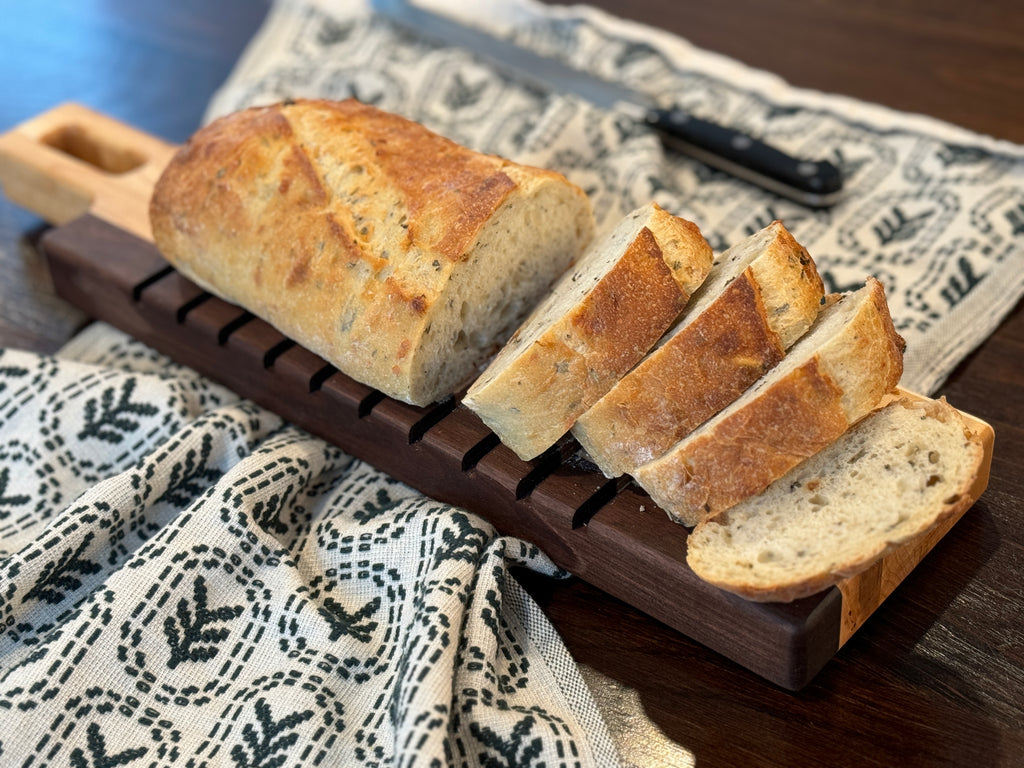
156,276
316,381
472,457
225,332
432,418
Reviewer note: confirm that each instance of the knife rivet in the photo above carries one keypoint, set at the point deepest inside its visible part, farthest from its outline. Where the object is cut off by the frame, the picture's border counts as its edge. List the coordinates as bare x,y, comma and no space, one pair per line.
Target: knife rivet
807,168
669,116
741,142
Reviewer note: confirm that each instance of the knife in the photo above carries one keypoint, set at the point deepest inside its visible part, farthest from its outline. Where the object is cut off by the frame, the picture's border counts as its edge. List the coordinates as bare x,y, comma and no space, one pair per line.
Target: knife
813,183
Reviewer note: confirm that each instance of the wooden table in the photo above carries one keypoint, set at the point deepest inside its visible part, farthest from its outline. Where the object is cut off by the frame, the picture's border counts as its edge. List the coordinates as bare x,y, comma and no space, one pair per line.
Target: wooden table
936,676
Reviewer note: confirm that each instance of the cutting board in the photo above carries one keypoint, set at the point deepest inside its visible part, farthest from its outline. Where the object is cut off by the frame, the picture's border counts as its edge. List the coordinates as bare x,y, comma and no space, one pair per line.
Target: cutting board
92,177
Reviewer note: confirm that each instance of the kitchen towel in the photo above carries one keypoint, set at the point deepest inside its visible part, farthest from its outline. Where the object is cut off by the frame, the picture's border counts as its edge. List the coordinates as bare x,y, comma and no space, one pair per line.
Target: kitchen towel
186,580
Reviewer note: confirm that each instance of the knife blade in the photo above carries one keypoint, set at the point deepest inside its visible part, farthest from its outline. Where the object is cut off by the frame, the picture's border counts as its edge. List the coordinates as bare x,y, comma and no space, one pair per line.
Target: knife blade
812,183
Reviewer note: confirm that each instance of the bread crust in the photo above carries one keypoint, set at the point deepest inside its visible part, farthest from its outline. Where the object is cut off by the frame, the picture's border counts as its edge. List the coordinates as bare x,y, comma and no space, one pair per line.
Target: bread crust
708,363
797,414
790,285
684,382
792,421
345,227
531,397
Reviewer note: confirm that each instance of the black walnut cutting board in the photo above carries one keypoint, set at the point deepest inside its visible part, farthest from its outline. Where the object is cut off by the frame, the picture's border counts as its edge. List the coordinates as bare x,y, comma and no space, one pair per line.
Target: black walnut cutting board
92,177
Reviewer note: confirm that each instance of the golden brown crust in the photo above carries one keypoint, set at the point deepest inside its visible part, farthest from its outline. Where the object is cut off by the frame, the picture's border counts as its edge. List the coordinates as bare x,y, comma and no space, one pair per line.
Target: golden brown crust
611,326
581,356
694,375
691,253
792,420
871,362
450,190
796,414
796,289
341,225
737,332
531,397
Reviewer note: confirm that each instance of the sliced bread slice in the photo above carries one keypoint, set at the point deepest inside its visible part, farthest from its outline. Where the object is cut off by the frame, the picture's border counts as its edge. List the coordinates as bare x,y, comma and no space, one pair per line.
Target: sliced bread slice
891,477
759,298
834,375
599,320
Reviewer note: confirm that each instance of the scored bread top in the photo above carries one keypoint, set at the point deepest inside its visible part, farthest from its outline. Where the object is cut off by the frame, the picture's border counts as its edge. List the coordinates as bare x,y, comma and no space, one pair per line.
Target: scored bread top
396,254
761,295
892,476
837,372
598,321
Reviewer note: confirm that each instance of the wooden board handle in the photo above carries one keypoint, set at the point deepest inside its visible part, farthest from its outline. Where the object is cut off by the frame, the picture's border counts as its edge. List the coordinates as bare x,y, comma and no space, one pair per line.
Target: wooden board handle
72,160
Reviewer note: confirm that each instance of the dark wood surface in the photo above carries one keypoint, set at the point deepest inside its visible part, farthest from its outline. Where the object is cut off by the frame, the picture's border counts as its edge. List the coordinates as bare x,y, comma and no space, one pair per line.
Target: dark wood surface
936,676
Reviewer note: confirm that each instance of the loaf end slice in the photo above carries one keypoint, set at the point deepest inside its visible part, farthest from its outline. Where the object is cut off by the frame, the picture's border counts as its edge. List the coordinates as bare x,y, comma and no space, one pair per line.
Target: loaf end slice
599,320
834,375
760,297
399,256
891,477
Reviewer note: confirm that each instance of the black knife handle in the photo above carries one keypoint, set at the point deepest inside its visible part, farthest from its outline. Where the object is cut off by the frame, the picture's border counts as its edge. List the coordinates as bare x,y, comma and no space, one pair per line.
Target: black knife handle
813,183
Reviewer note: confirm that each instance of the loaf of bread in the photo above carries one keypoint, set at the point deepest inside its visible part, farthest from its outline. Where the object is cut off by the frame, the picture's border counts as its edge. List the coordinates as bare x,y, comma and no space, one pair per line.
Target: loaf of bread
834,375
600,319
397,255
760,297
891,477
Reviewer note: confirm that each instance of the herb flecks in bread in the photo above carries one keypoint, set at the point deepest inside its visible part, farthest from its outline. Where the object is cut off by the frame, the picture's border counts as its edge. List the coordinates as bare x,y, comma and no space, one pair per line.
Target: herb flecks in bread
599,320
399,256
890,478
835,374
761,295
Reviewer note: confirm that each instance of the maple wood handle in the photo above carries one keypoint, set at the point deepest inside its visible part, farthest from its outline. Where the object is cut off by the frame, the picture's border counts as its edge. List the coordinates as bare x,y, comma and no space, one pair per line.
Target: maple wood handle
71,160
